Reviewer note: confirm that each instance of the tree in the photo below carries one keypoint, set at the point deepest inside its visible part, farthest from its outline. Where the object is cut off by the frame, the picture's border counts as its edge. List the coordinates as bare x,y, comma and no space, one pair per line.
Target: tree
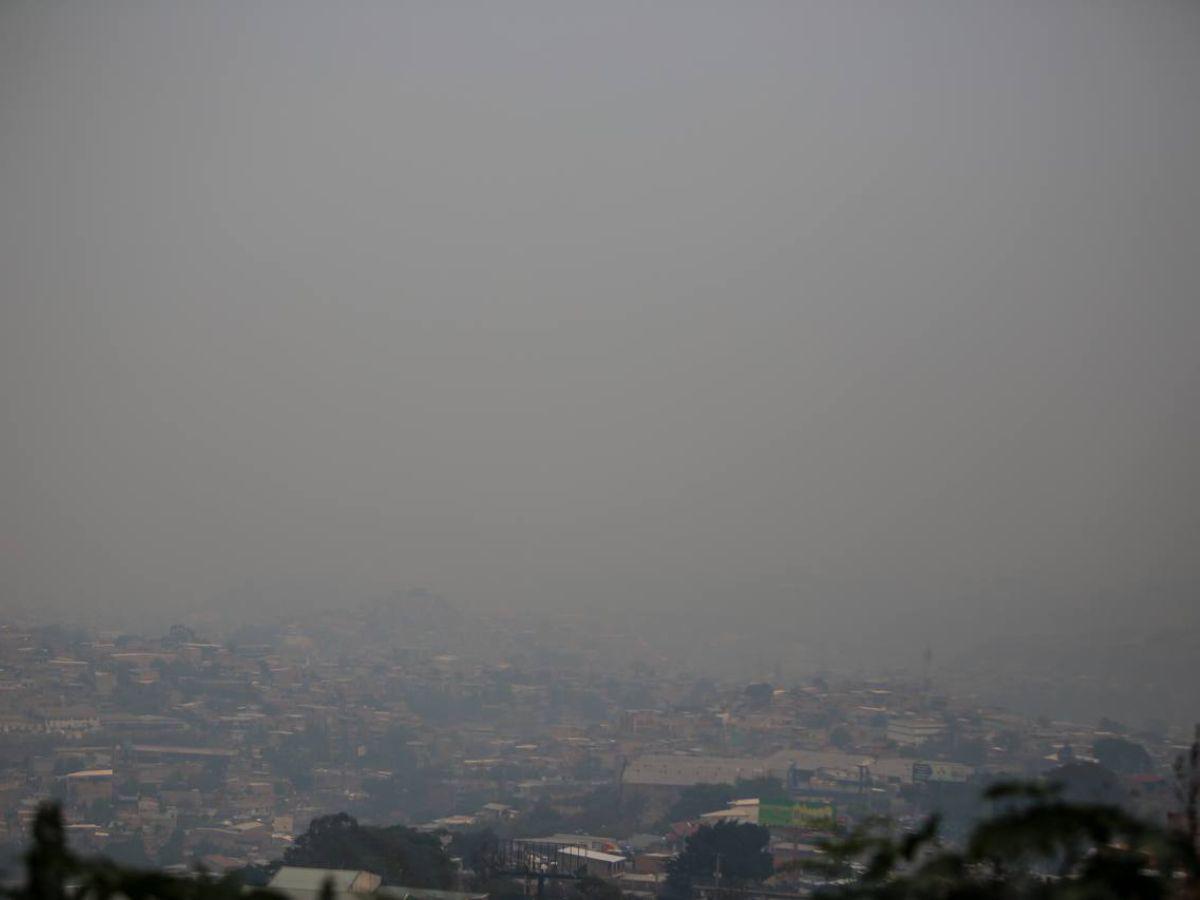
759,694
698,799
841,737
397,854
1187,786
542,818
53,872
589,887
328,841
766,789
729,853
1087,782
480,853
298,754
212,777
1037,845
130,851
100,811
171,852
392,751
1121,755
600,811
179,634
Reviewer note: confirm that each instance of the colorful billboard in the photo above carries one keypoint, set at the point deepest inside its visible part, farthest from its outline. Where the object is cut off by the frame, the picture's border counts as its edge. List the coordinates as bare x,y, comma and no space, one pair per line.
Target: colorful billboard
811,815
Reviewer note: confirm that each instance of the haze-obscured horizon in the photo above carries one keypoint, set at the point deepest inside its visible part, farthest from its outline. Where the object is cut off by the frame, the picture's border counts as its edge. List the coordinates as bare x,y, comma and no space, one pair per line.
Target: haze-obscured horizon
869,324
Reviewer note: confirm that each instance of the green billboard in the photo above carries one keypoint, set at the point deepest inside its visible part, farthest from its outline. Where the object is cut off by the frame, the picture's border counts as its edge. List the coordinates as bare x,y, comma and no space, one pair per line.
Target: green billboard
811,815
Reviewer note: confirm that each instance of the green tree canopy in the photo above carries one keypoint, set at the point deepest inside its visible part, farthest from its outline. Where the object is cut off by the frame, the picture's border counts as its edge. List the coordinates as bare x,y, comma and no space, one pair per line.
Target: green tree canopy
1121,755
729,852
398,854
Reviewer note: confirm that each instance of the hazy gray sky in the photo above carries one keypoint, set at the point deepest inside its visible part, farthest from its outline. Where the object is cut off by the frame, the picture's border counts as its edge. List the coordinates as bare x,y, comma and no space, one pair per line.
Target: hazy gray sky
885,310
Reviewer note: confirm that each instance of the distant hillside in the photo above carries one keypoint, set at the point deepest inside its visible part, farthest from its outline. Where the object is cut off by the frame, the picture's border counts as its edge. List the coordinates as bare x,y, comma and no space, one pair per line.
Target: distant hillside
1136,677
415,612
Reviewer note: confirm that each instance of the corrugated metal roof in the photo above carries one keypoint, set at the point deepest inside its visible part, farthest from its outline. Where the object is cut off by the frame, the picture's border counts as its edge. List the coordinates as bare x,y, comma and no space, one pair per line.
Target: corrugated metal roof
299,878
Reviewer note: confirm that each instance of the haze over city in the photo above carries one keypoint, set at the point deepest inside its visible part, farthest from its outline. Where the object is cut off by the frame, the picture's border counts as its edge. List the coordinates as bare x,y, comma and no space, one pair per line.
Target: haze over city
845,329
543,450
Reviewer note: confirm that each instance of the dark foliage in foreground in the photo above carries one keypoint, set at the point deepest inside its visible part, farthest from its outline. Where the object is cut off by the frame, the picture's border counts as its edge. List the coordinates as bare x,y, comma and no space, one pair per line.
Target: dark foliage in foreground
53,872
1036,846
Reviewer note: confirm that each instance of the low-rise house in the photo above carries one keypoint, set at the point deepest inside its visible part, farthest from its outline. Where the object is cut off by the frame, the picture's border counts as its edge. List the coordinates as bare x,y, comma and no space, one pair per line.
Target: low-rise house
89,785
913,731
72,721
